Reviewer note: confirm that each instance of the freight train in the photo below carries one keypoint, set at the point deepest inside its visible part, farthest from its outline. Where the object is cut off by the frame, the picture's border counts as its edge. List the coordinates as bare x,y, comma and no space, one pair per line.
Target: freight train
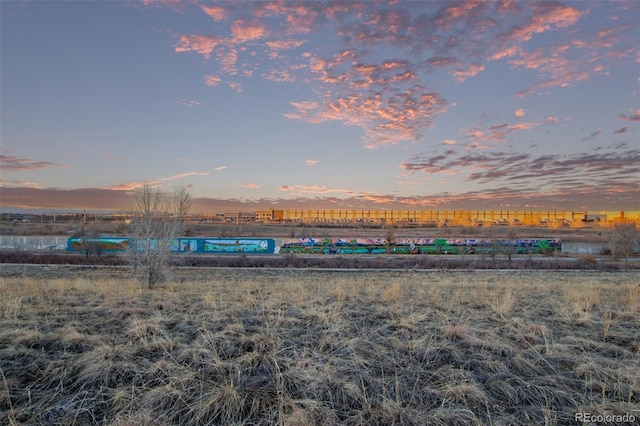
206,245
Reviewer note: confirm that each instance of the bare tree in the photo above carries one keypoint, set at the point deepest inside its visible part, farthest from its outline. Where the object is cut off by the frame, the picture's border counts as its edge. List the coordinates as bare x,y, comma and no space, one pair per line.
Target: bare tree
511,245
156,221
623,239
390,238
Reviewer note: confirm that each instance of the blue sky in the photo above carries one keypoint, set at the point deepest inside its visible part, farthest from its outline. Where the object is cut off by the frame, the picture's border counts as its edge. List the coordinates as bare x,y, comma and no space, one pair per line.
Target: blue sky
407,105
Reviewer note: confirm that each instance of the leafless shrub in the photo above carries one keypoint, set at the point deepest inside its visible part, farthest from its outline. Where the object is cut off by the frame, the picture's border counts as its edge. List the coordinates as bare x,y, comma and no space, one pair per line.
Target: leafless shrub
156,221
623,240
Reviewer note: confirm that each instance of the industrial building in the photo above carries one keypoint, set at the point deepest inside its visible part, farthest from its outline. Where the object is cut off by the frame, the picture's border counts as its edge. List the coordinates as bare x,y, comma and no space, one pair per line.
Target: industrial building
444,217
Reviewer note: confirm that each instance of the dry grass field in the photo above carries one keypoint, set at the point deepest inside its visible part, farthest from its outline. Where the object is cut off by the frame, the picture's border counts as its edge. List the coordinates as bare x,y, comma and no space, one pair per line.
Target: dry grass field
301,347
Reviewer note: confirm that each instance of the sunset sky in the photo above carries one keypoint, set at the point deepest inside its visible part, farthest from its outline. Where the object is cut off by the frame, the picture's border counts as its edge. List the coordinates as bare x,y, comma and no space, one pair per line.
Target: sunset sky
345,105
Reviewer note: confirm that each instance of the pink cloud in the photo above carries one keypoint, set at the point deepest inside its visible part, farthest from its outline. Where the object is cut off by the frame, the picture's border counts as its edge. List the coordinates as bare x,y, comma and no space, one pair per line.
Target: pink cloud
235,86
385,119
522,126
631,117
18,184
130,186
212,80
284,44
547,16
366,75
305,111
243,31
460,10
250,185
201,44
299,18
505,53
217,13
278,76
448,142
227,58
472,70
496,133
550,59
313,189
12,163
378,199
563,80
519,113
311,162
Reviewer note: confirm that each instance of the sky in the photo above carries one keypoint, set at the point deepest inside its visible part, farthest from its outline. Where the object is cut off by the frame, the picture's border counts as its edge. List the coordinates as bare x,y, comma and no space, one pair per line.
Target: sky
409,105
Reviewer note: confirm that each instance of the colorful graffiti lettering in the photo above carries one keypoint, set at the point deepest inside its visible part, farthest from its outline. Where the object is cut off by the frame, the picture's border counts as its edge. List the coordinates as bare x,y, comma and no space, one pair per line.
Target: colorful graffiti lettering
237,246
103,244
417,246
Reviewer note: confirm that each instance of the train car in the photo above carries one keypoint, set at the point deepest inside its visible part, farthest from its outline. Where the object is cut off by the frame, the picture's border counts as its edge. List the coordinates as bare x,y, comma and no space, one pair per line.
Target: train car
237,245
103,244
419,246
179,245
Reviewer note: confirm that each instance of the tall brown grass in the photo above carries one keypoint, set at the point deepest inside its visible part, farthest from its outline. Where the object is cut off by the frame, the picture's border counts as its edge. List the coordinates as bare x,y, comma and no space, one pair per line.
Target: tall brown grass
313,347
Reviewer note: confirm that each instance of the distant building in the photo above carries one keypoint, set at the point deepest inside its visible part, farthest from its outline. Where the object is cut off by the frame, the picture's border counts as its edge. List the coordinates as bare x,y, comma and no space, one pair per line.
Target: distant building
269,215
239,217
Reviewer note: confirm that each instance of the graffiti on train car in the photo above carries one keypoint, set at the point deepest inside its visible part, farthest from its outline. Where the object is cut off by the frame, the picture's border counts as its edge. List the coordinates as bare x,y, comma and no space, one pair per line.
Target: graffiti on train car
239,245
419,246
180,245
105,244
